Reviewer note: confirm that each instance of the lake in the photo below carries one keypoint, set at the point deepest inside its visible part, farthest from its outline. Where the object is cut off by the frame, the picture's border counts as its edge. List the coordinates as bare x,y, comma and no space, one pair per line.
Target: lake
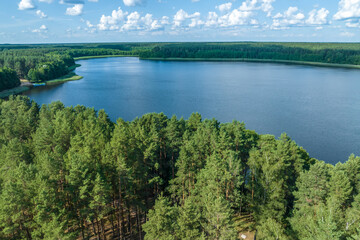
317,107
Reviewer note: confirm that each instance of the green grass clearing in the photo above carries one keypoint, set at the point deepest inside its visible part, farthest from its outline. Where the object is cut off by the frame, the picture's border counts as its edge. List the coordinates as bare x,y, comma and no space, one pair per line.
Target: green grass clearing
69,77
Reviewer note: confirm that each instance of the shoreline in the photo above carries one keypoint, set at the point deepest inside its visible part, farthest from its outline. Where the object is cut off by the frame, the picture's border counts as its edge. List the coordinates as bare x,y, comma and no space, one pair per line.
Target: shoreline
101,56
71,76
290,62
26,85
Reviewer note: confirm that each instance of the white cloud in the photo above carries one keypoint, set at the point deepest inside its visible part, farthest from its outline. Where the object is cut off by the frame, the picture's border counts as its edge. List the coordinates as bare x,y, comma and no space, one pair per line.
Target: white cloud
212,19
289,18
318,17
132,22
146,23
41,14
112,22
253,5
132,3
352,23
348,9
248,5
88,23
165,20
46,1
42,29
93,0
224,7
181,17
75,10
267,7
235,17
123,21
26,5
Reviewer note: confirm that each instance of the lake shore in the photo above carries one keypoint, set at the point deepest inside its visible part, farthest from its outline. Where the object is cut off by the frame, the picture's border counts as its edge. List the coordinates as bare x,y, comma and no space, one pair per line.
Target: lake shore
73,77
101,56
26,85
315,64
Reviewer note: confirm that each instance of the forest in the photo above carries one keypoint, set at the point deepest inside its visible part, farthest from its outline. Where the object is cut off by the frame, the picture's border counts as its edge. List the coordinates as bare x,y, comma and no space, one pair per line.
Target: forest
43,62
9,79
301,52
71,173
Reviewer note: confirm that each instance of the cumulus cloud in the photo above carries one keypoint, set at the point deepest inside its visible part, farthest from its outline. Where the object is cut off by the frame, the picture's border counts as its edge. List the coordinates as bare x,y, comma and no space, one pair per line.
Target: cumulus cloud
182,17
26,5
113,21
289,18
224,7
132,3
123,21
253,5
212,19
41,14
348,9
42,29
76,10
318,17
235,17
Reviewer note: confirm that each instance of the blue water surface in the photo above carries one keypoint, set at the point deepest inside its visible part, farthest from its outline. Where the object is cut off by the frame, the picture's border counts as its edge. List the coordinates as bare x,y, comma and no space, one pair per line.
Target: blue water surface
317,107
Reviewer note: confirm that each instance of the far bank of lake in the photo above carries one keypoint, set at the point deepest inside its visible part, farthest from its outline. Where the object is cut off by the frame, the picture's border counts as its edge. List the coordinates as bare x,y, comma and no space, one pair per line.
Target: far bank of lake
318,107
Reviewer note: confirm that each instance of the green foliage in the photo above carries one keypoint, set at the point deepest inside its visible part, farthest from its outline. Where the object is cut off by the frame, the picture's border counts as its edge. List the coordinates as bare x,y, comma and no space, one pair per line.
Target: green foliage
70,173
8,79
305,52
270,229
39,63
163,225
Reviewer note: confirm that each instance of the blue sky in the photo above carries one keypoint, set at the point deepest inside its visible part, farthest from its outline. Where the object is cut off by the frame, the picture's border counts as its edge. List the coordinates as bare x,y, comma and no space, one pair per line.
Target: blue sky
58,21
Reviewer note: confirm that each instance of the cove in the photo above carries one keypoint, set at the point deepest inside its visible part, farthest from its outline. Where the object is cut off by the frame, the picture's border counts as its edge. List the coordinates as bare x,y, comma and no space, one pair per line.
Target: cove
317,107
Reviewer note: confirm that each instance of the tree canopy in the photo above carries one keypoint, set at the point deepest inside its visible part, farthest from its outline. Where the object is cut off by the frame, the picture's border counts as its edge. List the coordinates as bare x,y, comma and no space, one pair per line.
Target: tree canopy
70,173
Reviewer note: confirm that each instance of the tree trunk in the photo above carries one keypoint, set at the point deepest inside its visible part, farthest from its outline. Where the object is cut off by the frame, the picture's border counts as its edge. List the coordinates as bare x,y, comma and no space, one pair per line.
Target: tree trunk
138,222
94,229
129,221
103,230
121,213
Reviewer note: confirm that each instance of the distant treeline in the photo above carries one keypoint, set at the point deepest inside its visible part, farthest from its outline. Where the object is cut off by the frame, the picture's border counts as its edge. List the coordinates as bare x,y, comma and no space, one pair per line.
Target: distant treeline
323,53
71,173
43,62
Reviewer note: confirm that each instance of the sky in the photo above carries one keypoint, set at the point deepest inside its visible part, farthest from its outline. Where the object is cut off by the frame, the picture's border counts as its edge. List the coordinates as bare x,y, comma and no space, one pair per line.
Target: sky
73,21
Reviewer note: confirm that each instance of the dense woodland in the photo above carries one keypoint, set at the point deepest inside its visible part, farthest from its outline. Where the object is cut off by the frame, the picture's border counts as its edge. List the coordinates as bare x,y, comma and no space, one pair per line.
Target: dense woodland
70,173
8,79
303,52
43,62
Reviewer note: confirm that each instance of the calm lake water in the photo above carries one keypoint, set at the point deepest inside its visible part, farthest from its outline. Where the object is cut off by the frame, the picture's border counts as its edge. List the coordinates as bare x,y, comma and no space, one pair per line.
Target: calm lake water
318,107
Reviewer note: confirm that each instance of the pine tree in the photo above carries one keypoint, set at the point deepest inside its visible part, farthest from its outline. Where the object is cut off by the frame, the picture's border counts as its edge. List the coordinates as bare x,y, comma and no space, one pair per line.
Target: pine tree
162,224
270,229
